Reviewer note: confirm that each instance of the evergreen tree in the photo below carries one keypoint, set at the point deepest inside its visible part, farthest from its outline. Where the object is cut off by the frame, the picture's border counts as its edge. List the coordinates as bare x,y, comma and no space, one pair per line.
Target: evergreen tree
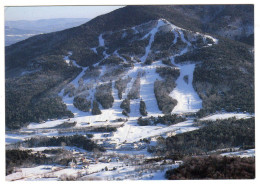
95,109
142,108
125,105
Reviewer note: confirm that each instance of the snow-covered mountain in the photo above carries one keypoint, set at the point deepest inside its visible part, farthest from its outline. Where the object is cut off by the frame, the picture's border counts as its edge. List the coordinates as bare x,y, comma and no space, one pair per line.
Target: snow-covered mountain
133,86
120,62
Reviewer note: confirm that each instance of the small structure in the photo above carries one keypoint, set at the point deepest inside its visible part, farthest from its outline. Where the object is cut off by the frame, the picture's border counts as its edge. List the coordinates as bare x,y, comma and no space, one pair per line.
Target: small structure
179,162
169,134
106,134
54,168
168,161
85,167
104,159
72,164
74,152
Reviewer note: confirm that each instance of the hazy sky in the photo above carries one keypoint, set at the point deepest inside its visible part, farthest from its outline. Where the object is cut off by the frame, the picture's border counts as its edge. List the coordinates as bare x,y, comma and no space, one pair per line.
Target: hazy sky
47,12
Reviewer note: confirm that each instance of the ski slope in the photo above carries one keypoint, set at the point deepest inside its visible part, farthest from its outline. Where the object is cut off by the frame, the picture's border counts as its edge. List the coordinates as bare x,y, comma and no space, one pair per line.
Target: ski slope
184,93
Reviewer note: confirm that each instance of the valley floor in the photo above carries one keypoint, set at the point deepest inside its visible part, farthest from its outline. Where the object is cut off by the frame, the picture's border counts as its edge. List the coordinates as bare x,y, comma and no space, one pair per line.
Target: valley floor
127,154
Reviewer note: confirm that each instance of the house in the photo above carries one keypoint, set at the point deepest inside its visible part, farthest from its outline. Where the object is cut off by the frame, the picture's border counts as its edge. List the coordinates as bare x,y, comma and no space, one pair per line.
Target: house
72,164
114,159
87,161
85,167
179,162
15,169
106,134
169,134
54,168
104,159
168,161
74,152
99,142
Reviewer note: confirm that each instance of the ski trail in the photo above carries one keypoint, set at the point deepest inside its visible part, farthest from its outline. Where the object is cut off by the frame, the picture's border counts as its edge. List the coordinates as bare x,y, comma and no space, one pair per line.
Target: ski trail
101,41
147,89
183,38
94,49
116,53
116,105
184,93
175,36
152,33
75,82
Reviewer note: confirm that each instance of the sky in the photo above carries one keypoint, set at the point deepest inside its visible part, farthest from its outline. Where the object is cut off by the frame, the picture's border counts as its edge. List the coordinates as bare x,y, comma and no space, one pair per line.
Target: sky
49,12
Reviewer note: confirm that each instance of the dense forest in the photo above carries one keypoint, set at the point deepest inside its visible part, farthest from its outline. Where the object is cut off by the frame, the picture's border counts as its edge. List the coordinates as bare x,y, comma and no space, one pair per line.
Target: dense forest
16,158
104,95
168,119
213,167
82,103
39,101
79,141
212,136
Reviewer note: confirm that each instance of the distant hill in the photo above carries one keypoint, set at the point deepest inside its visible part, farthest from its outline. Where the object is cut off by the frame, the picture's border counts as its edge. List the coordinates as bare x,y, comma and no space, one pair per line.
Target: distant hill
16,31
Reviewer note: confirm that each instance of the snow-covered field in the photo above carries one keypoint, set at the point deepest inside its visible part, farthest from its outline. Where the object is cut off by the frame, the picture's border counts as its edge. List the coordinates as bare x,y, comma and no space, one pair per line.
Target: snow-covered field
131,132
226,116
243,153
100,171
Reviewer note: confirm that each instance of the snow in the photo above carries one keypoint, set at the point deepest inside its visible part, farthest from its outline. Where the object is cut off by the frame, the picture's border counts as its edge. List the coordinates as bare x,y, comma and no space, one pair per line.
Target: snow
121,172
28,172
152,33
30,72
183,39
116,53
131,132
147,88
67,171
129,172
42,148
243,153
47,124
101,41
214,39
94,49
188,100
75,82
66,58
13,138
105,175
184,93
69,103
226,116
175,36
124,35
134,29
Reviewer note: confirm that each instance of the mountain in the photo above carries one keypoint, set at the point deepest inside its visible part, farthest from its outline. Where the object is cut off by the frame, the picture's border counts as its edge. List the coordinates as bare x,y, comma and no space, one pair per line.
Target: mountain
21,29
13,35
143,92
135,41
